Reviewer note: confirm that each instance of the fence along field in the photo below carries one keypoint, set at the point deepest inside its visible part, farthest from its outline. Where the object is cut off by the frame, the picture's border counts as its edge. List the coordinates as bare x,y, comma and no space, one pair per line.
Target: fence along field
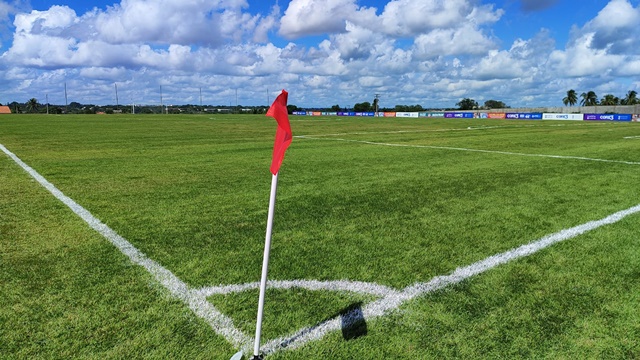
439,195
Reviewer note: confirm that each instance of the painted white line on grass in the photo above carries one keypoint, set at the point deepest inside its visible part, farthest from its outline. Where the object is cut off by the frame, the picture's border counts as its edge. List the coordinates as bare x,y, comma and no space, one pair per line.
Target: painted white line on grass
402,131
632,137
389,299
396,299
475,150
198,304
315,285
470,128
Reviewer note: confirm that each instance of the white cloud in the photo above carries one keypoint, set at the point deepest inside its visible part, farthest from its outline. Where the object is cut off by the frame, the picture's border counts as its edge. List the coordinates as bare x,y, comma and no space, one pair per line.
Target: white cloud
615,28
314,17
606,46
408,18
53,20
448,42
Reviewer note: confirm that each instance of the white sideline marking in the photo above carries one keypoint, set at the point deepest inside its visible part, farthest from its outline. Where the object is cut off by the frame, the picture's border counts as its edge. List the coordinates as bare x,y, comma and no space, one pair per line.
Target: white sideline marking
198,304
394,300
474,150
404,131
470,128
390,299
632,137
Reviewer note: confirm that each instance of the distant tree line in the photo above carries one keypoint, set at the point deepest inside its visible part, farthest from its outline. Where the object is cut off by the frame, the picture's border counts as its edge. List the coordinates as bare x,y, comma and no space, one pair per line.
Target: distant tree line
590,98
33,106
470,104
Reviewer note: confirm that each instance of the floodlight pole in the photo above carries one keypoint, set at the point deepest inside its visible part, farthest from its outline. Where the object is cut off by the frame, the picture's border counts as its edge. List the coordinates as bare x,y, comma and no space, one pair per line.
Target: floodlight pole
265,266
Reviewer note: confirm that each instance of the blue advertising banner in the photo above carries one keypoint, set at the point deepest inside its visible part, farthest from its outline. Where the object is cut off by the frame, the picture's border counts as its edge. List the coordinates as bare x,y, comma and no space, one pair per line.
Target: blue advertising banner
365,114
608,117
459,115
299,113
525,116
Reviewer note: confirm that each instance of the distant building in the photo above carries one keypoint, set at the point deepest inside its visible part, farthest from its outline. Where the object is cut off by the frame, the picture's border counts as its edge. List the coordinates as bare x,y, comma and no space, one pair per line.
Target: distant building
5,110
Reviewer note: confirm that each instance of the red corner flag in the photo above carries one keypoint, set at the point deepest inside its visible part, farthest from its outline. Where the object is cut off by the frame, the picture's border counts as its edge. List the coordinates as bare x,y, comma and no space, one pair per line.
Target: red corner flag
278,111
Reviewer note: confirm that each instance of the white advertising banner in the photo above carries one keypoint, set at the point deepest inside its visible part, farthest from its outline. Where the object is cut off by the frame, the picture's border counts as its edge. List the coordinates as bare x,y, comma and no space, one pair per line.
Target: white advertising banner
407,114
553,116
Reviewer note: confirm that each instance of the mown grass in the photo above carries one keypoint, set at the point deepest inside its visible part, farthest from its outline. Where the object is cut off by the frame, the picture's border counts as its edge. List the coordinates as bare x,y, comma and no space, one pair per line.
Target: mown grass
191,193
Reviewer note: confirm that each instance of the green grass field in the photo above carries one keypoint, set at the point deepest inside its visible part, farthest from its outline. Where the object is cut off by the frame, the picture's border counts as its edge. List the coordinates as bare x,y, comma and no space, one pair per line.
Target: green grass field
392,202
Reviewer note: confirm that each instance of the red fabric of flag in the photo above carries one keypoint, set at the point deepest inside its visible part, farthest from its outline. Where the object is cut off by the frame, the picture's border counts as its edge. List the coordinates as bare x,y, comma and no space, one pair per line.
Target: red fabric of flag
278,111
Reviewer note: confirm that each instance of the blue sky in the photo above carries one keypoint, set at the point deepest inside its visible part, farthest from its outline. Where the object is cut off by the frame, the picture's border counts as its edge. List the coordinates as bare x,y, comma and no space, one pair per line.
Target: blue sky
324,52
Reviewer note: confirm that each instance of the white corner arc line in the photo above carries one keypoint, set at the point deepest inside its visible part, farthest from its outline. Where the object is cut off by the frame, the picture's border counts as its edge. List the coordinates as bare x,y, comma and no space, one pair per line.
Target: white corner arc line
474,150
393,301
359,287
198,304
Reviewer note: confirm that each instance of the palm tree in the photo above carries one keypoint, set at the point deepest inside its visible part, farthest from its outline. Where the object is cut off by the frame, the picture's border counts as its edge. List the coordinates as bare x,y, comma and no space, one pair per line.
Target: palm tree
609,100
631,98
32,105
571,98
589,99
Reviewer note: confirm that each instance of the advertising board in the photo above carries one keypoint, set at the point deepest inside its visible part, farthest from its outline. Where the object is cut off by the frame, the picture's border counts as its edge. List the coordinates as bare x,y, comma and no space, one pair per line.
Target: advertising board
524,116
496,115
430,114
459,115
608,117
389,114
407,114
555,116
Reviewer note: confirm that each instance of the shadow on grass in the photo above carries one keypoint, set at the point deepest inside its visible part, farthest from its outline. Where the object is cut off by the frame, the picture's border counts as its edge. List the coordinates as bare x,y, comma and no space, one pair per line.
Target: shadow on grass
352,321
352,324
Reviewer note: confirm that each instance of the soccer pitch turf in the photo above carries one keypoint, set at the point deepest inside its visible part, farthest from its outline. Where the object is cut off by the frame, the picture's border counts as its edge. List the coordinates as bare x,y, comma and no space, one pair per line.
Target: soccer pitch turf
393,238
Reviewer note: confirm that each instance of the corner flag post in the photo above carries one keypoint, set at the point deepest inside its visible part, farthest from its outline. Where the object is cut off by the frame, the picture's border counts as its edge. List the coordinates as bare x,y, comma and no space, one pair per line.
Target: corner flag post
265,266
278,110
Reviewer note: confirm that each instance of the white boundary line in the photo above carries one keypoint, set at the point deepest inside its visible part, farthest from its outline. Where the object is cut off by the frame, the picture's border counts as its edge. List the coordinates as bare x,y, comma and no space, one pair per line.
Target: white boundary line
470,128
197,303
395,300
196,299
632,137
471,150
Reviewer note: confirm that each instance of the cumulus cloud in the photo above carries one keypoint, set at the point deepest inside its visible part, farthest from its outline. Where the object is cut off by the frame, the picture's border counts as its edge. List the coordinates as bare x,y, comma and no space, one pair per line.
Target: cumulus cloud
615,28
605,46
408,18
525,58
582,60
313,17
448,42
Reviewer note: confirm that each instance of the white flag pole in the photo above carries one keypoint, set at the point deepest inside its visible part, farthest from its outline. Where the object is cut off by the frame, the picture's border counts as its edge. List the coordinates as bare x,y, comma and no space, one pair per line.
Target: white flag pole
265,266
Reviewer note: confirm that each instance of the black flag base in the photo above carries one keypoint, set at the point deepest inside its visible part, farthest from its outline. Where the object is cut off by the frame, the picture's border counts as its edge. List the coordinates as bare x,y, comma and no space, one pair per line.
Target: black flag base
257,357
